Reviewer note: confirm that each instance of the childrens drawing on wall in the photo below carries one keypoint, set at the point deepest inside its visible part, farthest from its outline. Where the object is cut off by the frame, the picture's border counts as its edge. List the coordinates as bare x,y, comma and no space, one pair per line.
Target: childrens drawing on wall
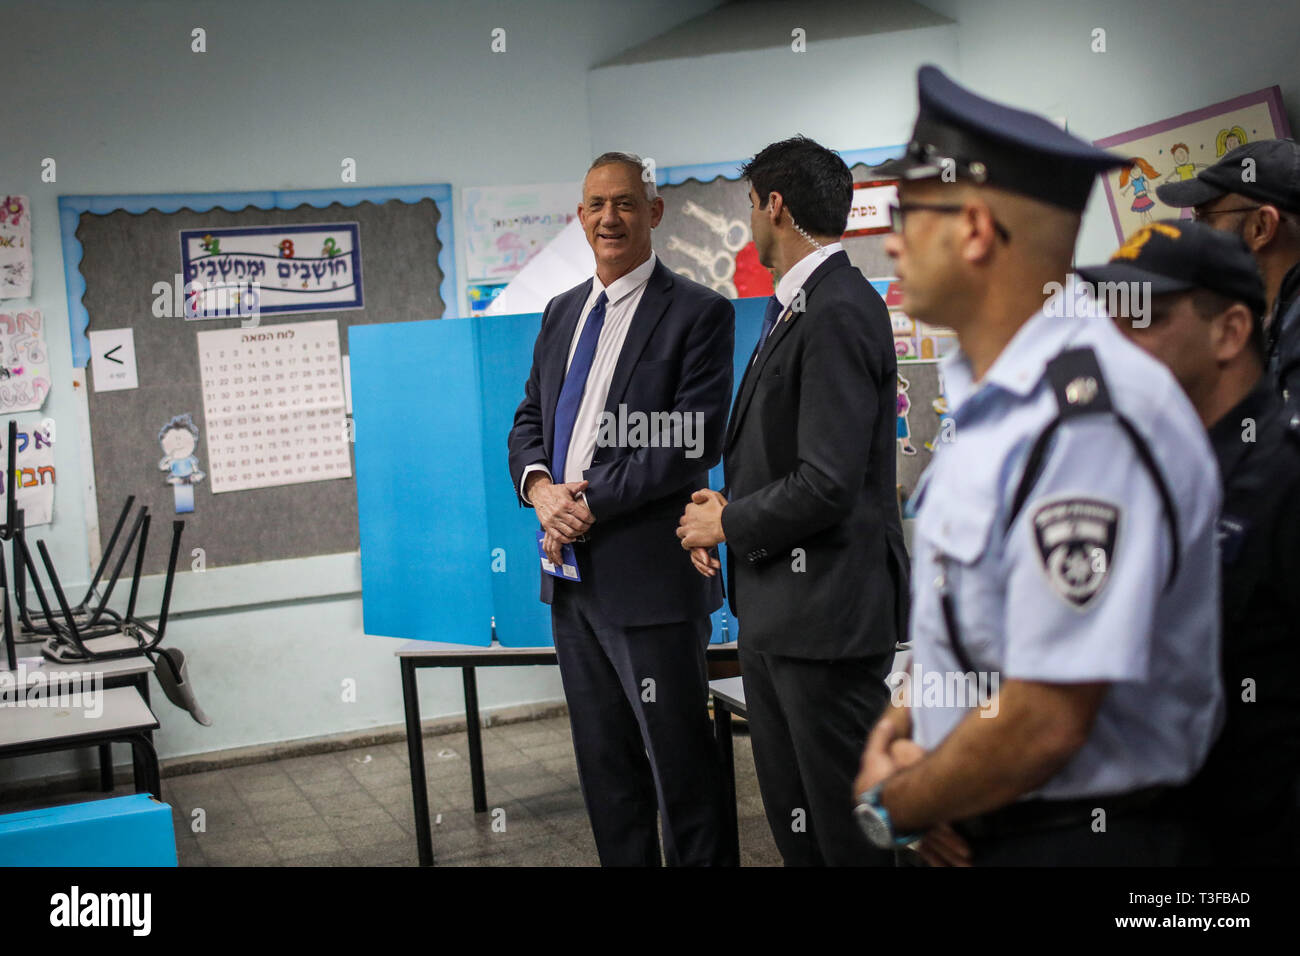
24,362
1137,178
1184,168
1229,139
1177,149
15,248
179,438
904,427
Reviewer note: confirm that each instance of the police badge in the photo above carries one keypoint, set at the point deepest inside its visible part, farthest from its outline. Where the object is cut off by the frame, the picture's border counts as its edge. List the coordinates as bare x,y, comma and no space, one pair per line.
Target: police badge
1076,539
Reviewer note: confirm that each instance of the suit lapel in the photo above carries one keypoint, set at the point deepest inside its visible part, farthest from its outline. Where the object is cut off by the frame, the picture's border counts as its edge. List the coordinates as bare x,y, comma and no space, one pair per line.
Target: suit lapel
654,303
779,332
553,371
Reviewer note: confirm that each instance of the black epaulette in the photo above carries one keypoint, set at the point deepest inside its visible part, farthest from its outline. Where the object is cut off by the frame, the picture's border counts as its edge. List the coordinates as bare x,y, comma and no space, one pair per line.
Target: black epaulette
1080,389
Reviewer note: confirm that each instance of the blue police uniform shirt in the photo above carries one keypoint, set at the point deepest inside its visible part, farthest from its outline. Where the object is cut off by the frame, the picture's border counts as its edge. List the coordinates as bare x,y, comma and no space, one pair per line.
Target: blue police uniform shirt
1024,612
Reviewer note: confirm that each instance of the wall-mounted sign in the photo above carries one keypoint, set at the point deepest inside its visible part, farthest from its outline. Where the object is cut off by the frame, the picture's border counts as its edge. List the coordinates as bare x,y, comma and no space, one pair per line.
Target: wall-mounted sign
869,214
241,271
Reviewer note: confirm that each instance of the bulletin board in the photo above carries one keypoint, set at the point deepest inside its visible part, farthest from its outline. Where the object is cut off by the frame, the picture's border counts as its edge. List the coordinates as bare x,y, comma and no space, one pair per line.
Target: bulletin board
117,248
705,233
447,552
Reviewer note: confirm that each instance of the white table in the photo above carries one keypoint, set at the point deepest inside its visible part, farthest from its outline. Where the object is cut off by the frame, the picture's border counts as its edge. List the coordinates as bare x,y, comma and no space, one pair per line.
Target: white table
120,715
115,672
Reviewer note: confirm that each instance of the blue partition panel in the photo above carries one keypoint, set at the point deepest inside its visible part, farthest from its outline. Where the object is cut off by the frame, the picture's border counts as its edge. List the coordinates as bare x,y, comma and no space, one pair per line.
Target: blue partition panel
505,358
421,503
118,831
749,322
446,549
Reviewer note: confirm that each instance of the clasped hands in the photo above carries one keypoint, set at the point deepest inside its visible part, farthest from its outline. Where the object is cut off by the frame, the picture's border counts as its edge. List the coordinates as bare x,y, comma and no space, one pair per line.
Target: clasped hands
887,753
700,529
561,511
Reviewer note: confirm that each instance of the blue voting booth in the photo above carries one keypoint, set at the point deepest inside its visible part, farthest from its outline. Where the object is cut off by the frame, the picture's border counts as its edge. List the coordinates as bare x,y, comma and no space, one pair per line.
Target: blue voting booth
118,831
446,549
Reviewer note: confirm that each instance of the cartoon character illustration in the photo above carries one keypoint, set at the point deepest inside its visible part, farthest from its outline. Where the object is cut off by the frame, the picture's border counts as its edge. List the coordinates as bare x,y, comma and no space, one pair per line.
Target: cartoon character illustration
1137,177
1184,168
940,406
904,428
1228,140
212,244
179,437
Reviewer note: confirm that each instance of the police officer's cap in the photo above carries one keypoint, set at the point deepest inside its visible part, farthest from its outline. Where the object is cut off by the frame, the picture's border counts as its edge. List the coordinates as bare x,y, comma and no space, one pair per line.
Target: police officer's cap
1179,255
987,143
1267,170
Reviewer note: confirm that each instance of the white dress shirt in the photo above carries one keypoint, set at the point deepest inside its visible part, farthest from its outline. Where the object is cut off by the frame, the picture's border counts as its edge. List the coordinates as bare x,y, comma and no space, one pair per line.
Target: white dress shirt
623,295
793,280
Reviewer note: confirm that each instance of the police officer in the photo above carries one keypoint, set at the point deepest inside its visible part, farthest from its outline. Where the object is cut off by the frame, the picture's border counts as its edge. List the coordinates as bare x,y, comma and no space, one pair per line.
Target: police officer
1254,192
1065,617
1204,324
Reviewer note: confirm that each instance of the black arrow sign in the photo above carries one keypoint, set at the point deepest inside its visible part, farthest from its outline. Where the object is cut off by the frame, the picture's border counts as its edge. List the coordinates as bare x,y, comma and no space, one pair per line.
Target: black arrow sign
109,355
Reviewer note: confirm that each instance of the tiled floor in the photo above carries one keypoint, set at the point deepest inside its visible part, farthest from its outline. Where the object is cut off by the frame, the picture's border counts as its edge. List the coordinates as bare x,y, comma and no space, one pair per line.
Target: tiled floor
354,807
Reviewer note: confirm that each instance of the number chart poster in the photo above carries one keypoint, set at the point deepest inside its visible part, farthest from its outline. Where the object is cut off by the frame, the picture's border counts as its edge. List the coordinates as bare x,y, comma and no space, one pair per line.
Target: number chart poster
271,269
274,404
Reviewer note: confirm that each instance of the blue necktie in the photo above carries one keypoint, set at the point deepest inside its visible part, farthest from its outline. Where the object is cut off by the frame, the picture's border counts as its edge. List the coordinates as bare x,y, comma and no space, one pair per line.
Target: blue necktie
774,310
575,382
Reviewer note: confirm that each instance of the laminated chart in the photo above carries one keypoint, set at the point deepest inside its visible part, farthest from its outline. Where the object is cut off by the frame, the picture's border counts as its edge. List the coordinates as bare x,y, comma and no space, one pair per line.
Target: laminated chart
274,405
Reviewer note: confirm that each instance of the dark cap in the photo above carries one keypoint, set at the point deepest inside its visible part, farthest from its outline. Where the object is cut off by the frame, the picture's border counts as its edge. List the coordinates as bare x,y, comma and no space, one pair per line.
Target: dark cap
1274,177
1179,255
987,143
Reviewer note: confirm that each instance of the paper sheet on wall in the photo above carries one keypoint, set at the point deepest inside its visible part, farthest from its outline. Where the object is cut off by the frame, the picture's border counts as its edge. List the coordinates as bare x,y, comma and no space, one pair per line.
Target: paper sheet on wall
34,492
273,405
24,362
506,226
15,248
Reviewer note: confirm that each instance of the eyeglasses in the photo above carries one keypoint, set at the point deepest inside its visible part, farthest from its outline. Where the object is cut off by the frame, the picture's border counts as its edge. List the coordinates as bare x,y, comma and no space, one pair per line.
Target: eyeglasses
1200,215
899,210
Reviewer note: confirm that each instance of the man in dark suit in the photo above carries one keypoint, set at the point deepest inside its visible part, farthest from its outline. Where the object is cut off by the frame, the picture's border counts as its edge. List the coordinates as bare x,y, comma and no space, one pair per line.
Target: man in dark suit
815,556
622,418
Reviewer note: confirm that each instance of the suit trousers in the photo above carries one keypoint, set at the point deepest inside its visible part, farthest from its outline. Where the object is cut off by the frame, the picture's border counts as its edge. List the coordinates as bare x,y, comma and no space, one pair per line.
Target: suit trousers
638,710
808,722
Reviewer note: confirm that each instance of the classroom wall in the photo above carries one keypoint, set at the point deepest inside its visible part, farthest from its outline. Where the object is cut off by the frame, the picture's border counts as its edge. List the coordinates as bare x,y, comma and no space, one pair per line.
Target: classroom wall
1162,58
285,91
848,93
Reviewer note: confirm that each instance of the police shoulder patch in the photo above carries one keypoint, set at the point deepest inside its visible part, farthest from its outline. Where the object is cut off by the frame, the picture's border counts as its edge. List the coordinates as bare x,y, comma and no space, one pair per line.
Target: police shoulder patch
1076,541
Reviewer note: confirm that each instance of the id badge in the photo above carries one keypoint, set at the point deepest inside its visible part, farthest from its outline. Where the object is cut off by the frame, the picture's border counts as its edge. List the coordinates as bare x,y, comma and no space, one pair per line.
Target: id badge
568,570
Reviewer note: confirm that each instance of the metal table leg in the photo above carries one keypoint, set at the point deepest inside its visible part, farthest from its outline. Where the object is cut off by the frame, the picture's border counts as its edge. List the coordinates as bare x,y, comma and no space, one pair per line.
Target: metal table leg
722,731
106,768
475,734
144,760
415,752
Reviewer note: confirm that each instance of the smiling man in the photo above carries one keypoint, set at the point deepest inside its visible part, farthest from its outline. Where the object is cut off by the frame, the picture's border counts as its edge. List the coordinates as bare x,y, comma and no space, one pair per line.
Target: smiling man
630,618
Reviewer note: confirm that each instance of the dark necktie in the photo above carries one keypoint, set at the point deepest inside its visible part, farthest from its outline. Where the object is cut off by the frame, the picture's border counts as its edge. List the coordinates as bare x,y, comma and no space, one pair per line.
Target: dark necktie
773,312
575,382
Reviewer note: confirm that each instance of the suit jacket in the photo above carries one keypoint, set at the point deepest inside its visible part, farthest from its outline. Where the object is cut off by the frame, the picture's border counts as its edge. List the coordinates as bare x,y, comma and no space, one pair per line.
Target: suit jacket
677,357
810,465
